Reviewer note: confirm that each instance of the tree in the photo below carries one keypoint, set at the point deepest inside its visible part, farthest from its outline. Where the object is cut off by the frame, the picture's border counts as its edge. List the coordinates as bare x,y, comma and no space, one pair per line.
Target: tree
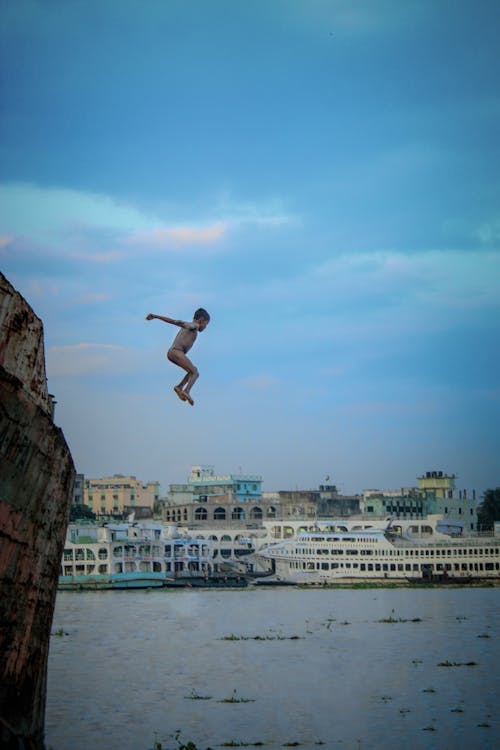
78,512
489,509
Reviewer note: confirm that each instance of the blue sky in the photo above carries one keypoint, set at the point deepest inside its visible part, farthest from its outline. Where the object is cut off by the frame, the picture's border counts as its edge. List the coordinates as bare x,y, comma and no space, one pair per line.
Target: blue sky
322,176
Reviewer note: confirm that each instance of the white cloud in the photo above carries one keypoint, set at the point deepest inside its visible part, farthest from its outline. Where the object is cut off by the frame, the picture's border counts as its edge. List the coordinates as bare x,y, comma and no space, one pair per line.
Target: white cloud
89,358
177,237
74,223
5,240
442,278
261,382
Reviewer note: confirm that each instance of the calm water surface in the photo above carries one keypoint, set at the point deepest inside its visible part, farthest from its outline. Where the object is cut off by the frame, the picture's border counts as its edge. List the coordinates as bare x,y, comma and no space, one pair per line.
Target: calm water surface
131,667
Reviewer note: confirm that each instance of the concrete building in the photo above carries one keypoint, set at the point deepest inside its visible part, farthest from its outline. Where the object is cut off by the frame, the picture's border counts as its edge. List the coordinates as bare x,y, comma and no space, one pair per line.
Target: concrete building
78,490
436,494
436,484
236,500
119,495
458,505
208,498
324,502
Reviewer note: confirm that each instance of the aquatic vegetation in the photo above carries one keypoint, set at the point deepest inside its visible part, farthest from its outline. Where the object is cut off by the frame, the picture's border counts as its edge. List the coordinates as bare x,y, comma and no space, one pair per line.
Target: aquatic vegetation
429,690
60,632
484,635
157,745
196,697
484,725
399,619
234,743
457,663
278,637
457,710
428,729
236,699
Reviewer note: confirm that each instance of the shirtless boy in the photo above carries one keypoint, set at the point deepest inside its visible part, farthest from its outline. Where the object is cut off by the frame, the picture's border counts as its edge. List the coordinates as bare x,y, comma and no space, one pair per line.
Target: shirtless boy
181,345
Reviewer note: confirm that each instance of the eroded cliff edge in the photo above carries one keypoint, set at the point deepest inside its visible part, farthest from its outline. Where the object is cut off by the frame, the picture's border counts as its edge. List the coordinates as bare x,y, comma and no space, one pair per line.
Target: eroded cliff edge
36,480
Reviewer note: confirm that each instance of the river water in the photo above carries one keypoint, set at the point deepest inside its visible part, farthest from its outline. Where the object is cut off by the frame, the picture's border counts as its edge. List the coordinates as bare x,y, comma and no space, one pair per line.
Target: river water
320,668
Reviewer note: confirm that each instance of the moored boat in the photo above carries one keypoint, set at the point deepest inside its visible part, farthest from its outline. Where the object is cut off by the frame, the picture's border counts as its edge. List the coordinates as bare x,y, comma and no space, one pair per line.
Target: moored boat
422,550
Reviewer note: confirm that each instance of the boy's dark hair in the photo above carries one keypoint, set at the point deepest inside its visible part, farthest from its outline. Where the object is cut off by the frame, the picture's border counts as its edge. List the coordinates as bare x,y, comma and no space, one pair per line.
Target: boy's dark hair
202,314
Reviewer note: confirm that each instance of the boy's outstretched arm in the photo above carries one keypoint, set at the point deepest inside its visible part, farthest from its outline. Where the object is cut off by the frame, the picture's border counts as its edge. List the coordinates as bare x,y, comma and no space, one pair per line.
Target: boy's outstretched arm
179,323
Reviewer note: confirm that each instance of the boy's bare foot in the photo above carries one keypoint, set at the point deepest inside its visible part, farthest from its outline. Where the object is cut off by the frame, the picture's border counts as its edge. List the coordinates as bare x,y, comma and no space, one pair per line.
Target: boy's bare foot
180,393
189,399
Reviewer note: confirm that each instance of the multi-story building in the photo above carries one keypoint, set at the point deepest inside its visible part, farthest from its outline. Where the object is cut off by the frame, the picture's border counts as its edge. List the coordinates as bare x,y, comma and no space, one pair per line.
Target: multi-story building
119,495
318,503
436,484
236,500
79,490
224,499
436,494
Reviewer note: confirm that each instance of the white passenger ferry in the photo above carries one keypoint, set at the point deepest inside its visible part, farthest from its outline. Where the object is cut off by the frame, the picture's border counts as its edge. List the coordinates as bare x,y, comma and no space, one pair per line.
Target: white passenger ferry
430,549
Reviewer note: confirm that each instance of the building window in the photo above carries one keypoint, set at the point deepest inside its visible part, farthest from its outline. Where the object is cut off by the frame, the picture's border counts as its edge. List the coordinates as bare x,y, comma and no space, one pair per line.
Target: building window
219,514
200,514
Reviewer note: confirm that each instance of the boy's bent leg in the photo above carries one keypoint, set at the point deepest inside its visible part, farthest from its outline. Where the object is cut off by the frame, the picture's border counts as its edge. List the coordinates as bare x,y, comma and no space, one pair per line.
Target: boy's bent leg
193,377
179,358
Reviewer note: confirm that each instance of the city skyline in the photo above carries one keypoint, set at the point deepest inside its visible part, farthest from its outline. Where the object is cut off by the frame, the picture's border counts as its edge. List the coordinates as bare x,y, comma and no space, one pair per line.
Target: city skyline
322,177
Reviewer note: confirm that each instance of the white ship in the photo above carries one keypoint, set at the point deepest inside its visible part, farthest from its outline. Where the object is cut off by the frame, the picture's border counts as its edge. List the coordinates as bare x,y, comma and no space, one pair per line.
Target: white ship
429,549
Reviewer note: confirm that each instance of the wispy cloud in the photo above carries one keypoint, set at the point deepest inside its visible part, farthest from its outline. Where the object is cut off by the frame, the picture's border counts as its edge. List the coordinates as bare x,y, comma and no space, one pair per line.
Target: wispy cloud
91,359
438,278
98,228
178,237
261,382
5,240
92,297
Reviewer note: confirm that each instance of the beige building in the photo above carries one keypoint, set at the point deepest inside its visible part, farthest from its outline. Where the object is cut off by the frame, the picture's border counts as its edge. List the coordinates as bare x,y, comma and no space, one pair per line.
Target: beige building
119,494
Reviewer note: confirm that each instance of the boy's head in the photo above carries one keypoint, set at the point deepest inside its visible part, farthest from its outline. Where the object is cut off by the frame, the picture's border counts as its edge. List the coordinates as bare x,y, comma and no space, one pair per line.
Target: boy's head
202,318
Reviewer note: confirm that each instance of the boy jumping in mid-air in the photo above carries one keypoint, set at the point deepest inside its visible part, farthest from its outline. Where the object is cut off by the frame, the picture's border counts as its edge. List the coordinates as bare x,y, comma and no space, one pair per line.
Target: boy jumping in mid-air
182,344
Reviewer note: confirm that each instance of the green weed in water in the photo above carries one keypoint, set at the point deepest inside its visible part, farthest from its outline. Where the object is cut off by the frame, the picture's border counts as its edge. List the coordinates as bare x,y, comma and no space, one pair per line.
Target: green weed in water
196,697
236,699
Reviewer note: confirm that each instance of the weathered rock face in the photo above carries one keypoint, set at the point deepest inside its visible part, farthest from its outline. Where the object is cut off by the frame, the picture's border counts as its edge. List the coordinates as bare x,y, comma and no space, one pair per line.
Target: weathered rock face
36,479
